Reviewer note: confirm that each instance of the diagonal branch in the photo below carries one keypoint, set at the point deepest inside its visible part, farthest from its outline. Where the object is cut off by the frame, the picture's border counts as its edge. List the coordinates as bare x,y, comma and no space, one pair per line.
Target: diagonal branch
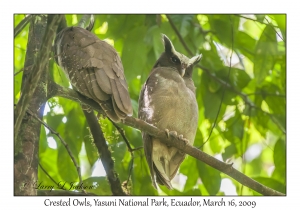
22,25
62,141
172,141
47,174
104,153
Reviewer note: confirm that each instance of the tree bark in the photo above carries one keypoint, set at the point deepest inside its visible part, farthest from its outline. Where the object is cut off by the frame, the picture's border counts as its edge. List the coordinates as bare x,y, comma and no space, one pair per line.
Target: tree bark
34,95
27,145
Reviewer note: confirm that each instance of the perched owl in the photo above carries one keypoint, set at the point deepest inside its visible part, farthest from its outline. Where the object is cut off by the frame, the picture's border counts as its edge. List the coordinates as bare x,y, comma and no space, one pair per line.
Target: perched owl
94,69
167,101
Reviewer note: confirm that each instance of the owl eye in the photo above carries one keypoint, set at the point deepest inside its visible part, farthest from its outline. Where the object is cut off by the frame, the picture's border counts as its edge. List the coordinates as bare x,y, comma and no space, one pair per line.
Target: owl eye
175,60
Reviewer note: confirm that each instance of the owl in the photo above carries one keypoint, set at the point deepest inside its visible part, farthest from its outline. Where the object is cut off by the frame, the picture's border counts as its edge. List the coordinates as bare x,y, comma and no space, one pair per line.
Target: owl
94,69
168,101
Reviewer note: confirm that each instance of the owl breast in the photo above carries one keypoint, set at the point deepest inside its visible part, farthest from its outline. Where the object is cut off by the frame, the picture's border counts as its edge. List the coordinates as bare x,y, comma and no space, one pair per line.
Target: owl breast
172,105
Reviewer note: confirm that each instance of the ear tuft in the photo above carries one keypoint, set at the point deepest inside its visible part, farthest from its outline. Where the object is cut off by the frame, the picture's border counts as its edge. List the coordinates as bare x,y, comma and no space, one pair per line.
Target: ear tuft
169,48
194,60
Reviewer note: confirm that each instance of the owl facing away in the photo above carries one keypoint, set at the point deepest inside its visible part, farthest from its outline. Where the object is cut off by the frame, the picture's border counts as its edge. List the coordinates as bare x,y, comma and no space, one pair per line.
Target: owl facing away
167,101
95,70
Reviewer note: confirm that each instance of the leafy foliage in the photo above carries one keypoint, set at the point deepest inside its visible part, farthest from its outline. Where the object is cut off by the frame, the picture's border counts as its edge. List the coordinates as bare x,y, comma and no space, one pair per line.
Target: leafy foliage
249,119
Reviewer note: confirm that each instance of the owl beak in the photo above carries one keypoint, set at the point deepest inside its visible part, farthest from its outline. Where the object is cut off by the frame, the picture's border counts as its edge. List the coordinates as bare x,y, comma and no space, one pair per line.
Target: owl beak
182,72
183,67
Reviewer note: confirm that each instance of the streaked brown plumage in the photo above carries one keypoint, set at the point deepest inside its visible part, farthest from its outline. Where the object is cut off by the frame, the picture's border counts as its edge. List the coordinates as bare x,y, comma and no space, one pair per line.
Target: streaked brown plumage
168,101
94,69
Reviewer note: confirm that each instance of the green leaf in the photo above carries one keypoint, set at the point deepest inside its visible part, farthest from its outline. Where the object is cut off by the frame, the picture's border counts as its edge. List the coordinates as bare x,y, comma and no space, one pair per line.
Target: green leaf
272,183
54,120
211,101
141,179
183,23
58,75
173,192
245,43
240,78
72,131
281,22
260,18
235,125
229,151
265,51
279,156
43,144
66,168
211,59
186,167
225,27
134,51
99,185
210,177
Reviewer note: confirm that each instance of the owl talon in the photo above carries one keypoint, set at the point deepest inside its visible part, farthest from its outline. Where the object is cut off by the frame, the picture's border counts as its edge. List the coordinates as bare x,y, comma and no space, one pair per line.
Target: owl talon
183,139
167,132
173,133
87,108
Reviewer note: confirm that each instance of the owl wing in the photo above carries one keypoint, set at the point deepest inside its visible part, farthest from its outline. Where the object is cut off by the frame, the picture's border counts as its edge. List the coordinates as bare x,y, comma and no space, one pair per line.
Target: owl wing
143,114
94,69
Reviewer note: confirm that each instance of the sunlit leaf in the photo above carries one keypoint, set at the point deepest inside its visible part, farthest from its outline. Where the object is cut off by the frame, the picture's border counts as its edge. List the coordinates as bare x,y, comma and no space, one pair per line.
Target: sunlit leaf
97,185
265,51
210,177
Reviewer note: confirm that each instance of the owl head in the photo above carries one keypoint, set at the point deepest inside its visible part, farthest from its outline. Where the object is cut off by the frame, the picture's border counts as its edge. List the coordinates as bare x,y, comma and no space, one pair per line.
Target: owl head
171,58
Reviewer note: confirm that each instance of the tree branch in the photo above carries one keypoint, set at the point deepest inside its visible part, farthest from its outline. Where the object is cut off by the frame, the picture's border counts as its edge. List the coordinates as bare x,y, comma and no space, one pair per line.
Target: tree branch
27,142
83,22
179,35
172,141
22,25
41,62
104,153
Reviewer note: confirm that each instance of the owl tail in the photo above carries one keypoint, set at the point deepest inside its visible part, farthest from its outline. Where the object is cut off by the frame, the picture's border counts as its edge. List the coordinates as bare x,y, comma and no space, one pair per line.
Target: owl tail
166,169
162,169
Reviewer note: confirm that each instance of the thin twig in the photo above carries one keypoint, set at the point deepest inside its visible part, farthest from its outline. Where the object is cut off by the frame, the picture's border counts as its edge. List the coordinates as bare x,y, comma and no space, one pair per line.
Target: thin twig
179,36
47,174
266,94
121,131
275,30
23,69
138,148
223,94
241,16
18,72
62,141
22,25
